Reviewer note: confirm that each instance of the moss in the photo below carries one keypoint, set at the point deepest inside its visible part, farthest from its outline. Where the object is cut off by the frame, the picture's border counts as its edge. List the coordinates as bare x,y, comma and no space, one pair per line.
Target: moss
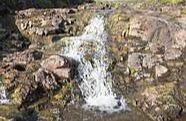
116,5
161,94
8,112
183,11
171,1
132,71
61,94
166,93
16,96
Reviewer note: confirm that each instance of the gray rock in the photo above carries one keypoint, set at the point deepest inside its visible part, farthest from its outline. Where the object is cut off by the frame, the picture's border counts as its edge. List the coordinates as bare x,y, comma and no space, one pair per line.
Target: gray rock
135,61
172,54
160,70
180,39
150,60
46,79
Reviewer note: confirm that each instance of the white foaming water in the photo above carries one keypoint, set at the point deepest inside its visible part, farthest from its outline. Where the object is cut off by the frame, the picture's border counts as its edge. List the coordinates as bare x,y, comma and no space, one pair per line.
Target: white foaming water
3,95
96,81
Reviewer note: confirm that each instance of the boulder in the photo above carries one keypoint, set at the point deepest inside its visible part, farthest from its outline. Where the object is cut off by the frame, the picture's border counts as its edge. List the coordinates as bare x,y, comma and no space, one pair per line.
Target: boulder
160,70
61,66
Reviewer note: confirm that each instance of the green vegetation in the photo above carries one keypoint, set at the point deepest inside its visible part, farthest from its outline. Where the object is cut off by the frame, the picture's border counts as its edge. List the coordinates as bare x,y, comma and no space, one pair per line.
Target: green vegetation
166,1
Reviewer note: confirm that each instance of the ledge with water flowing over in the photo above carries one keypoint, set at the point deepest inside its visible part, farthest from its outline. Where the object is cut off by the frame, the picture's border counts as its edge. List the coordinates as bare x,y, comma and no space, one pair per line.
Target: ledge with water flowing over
96,81
120,55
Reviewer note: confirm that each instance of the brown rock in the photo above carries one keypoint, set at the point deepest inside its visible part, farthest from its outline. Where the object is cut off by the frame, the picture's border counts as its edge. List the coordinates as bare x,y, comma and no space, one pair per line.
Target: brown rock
54,62
63,73
59,65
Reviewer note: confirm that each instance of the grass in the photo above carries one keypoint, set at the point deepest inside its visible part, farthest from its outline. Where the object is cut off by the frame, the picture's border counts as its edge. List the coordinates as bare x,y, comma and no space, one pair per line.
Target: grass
166,1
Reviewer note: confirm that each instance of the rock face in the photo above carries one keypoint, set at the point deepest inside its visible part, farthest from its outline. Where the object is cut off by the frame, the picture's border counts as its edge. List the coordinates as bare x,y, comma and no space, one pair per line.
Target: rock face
53,71
31,77
45,25
147,48
160,103
152,48
50,77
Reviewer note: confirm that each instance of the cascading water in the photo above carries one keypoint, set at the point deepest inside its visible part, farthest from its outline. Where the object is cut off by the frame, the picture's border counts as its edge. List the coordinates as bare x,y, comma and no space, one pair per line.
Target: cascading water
3,95
96,81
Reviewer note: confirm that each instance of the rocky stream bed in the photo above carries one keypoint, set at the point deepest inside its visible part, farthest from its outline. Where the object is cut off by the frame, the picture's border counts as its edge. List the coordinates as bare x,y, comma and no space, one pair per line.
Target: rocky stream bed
145,52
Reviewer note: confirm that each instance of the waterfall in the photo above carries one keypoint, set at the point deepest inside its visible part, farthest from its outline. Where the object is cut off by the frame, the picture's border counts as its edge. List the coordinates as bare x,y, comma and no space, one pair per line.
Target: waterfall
96,82
3,95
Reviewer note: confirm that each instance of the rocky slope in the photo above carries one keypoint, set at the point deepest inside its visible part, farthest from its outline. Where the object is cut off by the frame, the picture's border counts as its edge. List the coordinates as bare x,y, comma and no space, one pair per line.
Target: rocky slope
146,44
149,46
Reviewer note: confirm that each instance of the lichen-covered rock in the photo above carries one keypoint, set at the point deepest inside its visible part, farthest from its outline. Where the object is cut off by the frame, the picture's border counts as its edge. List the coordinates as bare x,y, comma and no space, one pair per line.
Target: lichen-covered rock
44,22
160,102
152,45
24,87
172,54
